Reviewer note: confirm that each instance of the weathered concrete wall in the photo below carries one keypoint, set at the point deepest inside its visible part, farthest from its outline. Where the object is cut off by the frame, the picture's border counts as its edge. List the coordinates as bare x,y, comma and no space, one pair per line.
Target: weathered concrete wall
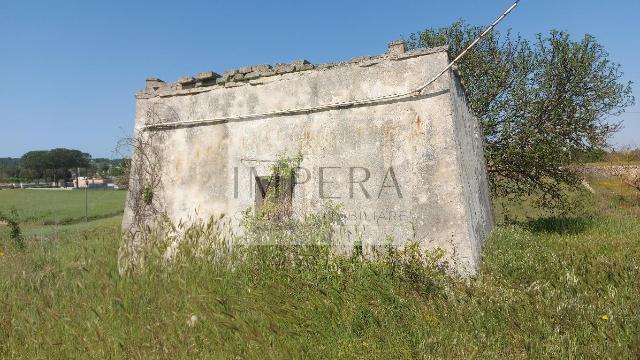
473,173
427,177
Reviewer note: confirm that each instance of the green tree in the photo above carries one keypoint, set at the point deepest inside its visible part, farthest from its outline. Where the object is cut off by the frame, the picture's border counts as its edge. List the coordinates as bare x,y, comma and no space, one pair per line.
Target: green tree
34,163
544,104
9,169
53,164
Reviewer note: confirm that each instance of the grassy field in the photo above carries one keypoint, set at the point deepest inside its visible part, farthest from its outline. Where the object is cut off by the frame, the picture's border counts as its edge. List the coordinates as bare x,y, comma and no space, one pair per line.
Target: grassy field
49,207
549,287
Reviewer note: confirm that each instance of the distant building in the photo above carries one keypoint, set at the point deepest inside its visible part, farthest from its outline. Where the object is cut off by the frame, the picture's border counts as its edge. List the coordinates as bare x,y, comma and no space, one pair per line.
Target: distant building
87,182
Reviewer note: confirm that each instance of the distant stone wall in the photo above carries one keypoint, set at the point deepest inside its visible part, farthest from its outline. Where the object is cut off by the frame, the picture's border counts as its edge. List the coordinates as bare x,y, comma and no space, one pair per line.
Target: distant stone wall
609,170
411,169
629,173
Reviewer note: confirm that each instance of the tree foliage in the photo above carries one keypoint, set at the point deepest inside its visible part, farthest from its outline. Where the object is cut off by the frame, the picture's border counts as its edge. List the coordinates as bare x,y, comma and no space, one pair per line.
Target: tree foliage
55,163
9,169
544,104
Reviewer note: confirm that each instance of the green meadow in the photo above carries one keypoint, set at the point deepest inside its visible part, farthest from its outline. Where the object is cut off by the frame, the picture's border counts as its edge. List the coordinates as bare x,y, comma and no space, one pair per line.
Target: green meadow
51,207
550,286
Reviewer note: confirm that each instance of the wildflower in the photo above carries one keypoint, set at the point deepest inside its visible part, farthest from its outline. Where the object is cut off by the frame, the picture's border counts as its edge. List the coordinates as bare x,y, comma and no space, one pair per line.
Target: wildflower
605,317
192,321
1,253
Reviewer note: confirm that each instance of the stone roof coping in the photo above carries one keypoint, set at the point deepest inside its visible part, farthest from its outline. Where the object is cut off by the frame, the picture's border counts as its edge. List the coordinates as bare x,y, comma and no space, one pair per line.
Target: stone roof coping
258,74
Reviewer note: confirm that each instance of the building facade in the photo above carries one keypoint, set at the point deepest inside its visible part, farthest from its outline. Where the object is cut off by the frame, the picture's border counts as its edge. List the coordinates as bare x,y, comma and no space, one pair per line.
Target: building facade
407,167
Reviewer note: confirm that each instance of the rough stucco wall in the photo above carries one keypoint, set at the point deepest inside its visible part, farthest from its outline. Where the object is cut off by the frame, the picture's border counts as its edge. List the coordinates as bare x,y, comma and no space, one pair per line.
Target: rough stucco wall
473,172
421,139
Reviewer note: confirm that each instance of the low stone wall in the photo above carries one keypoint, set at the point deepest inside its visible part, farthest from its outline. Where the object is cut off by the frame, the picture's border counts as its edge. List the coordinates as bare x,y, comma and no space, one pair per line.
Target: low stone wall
629,173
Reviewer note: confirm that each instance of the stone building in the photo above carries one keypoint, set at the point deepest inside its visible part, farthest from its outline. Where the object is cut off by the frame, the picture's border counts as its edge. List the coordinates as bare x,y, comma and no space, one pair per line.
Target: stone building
404,164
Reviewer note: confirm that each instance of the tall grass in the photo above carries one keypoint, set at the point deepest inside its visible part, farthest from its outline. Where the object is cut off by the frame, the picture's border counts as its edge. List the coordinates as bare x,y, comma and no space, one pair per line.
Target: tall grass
548,288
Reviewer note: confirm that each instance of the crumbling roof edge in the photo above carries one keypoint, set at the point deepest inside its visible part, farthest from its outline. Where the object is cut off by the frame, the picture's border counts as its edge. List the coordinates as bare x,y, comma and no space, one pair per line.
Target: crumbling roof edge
260,74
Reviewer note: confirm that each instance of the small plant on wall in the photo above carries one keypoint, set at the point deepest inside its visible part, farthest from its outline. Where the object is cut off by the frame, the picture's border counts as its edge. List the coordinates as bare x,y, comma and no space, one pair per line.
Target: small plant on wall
277,189
147,195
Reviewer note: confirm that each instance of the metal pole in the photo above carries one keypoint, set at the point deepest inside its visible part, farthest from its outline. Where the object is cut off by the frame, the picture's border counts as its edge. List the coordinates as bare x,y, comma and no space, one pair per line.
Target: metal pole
473,44
86,202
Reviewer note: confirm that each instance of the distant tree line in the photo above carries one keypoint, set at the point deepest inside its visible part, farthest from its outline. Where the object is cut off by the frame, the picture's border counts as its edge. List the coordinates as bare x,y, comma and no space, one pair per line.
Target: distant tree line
58,164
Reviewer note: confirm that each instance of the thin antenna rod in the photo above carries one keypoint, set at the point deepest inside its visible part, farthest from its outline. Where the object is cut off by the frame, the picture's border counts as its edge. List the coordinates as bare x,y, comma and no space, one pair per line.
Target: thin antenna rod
472,45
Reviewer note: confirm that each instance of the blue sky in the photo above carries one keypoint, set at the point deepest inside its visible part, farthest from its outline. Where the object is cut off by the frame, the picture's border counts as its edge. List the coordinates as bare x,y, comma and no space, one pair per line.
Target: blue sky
69,69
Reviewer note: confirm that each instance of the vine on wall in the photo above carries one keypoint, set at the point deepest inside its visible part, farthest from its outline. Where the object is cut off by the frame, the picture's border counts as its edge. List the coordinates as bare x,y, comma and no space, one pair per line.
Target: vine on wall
145,206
